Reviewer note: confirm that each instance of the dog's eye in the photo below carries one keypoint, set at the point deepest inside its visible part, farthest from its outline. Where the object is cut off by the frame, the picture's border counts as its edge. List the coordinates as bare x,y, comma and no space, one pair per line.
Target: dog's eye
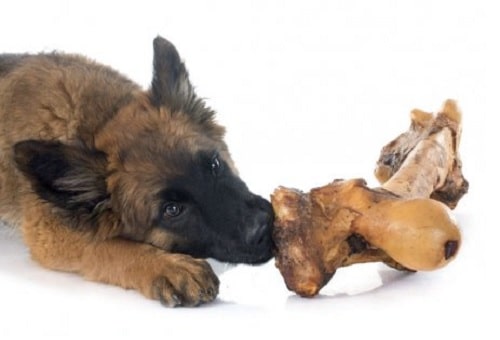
172,209
215,165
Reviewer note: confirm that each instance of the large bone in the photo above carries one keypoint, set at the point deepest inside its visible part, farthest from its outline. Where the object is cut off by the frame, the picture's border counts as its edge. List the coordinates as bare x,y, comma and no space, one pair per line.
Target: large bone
346,222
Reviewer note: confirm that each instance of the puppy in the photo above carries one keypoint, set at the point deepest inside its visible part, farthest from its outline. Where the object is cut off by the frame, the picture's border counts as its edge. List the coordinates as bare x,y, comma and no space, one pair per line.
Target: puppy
121,185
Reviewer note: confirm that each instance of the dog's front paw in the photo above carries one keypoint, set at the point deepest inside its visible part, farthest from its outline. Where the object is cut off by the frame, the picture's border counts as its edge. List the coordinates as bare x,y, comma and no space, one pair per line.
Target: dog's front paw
185,281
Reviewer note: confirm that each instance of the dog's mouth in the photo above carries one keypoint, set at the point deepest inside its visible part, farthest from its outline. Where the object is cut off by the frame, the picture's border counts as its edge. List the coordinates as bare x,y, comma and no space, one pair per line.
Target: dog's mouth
233,252
230,250
253,257
253,244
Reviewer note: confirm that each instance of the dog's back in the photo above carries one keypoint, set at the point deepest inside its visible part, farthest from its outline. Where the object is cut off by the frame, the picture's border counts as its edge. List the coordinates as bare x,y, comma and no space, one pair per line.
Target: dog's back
51,97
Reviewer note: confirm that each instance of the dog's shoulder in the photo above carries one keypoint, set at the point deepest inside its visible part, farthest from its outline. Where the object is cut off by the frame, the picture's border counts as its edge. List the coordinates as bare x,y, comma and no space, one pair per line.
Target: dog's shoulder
55,69
9,61
58,89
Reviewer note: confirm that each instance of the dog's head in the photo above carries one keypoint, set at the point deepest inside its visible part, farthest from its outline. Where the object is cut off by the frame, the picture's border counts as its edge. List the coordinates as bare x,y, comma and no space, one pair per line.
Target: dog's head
158,172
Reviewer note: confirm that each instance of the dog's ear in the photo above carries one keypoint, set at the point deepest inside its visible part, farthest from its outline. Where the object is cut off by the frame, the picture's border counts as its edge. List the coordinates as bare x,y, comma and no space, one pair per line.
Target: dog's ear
171,85
70,177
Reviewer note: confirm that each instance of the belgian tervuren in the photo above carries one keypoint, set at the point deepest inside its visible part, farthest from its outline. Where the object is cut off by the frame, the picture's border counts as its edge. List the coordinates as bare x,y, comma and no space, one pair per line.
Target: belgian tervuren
122,185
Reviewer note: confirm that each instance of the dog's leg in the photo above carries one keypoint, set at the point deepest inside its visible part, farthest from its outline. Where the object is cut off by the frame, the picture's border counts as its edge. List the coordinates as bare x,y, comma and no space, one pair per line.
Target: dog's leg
174,279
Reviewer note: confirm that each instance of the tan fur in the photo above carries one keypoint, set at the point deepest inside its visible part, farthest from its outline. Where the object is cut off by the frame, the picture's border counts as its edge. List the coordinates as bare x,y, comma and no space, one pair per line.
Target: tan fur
41,100
70,99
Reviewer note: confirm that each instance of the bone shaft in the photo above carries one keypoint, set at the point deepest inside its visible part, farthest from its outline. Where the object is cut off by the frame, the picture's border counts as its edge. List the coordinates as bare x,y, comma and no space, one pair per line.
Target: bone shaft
425,168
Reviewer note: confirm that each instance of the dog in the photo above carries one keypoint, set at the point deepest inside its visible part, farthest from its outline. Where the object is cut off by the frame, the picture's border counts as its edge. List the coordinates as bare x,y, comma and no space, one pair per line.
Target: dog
122,185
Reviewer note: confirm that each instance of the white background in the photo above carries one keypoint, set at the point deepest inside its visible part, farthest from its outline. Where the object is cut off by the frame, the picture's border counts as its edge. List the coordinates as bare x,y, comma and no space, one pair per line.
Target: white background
309,91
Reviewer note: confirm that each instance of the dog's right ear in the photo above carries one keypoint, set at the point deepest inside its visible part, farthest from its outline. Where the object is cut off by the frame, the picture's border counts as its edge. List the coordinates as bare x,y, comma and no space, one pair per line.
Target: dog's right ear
172,88
70,177
171,85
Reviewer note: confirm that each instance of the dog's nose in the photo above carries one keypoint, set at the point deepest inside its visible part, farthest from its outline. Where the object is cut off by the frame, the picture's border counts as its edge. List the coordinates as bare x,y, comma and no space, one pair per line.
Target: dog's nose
259,232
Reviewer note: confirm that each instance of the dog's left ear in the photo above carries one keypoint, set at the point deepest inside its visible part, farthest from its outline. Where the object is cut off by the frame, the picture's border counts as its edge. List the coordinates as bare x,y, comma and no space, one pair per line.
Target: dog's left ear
70,177
171,85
